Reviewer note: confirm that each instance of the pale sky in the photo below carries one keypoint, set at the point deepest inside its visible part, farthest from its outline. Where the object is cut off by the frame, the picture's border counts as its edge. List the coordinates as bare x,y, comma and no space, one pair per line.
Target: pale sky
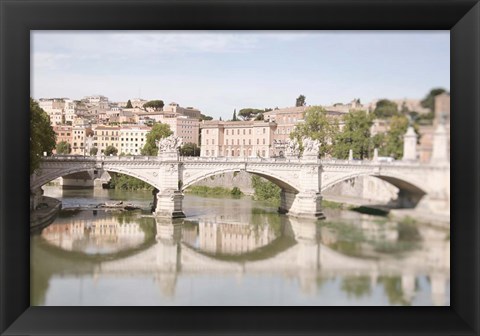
219,71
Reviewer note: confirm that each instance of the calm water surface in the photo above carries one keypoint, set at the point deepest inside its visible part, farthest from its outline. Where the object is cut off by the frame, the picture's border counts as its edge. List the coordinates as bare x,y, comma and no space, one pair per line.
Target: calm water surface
232,252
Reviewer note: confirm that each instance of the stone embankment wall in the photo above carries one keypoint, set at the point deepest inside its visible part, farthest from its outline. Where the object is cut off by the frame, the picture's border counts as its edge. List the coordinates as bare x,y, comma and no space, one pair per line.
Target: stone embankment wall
45,215
367,188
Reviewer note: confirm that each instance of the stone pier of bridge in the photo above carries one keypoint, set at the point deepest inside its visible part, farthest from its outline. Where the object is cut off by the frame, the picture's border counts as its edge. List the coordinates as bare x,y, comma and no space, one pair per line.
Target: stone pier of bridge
169,198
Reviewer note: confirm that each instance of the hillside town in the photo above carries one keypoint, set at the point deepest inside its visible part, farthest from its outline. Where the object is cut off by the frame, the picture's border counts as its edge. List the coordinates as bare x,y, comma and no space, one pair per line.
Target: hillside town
93,124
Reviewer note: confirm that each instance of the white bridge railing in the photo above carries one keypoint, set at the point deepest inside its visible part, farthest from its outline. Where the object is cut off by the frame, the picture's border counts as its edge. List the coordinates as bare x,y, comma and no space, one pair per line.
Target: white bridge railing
228,159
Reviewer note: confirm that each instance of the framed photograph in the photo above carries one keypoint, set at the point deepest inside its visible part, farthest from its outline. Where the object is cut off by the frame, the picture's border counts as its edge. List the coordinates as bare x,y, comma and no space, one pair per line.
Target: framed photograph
239,167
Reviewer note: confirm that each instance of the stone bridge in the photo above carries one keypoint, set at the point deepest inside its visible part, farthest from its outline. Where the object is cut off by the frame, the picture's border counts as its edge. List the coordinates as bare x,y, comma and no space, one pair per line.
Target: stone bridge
302,180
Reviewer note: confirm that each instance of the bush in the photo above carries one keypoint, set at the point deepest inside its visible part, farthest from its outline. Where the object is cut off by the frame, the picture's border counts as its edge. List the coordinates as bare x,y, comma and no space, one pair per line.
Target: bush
265,190
236,192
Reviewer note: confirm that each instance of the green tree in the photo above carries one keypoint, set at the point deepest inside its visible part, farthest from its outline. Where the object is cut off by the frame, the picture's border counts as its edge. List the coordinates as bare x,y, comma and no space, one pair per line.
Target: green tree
249,113
42,135
234,118
300,101
393,145
385,109
205,117
190,149
111,150
377,141
404,109
93,151
157,105
392,286
260,116
429,100
318,126
357,286
158,131
355,135
129,104
425,118
63,147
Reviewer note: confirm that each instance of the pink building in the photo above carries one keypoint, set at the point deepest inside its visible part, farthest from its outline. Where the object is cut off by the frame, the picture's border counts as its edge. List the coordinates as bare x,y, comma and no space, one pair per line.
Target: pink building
237,138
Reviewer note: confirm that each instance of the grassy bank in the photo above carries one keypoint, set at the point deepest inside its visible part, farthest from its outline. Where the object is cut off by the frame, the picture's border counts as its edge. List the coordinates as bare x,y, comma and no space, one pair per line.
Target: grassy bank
334,205
214,191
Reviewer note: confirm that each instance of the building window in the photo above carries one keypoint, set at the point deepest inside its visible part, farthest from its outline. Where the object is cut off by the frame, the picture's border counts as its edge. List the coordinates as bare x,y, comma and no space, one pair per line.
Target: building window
258,141
244,131
249,141
264,130
227,132
244,141
264,141
238,132
207,141
208,152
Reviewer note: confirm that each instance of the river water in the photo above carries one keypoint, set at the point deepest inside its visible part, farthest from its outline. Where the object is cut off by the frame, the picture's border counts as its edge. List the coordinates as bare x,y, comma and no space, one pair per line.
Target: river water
232,252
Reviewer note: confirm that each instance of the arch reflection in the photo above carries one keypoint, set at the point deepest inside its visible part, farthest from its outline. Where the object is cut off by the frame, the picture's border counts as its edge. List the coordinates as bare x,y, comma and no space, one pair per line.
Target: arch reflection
353,256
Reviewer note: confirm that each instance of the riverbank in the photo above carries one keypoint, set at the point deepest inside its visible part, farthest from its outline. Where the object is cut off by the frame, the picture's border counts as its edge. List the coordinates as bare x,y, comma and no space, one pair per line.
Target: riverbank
45,214
214,191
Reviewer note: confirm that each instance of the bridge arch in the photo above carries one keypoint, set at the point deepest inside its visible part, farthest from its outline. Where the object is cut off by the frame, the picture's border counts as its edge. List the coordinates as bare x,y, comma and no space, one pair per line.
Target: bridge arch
56,173
272,177
412,191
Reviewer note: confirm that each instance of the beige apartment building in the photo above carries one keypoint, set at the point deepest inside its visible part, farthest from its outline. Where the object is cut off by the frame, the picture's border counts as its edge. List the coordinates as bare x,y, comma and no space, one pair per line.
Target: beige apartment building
132,139
70,111
182,126
79,140
237,138
286,119
104,136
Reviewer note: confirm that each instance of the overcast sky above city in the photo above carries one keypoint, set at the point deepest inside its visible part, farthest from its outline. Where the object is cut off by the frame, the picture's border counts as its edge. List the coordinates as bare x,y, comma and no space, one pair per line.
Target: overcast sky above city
220,71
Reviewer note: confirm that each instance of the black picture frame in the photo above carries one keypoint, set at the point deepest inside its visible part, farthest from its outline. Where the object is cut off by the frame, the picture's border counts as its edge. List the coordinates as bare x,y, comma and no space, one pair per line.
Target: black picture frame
18,17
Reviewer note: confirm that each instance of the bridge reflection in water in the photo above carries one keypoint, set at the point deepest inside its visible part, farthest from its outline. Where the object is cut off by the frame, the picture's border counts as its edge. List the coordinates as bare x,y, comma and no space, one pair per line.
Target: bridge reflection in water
357,257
